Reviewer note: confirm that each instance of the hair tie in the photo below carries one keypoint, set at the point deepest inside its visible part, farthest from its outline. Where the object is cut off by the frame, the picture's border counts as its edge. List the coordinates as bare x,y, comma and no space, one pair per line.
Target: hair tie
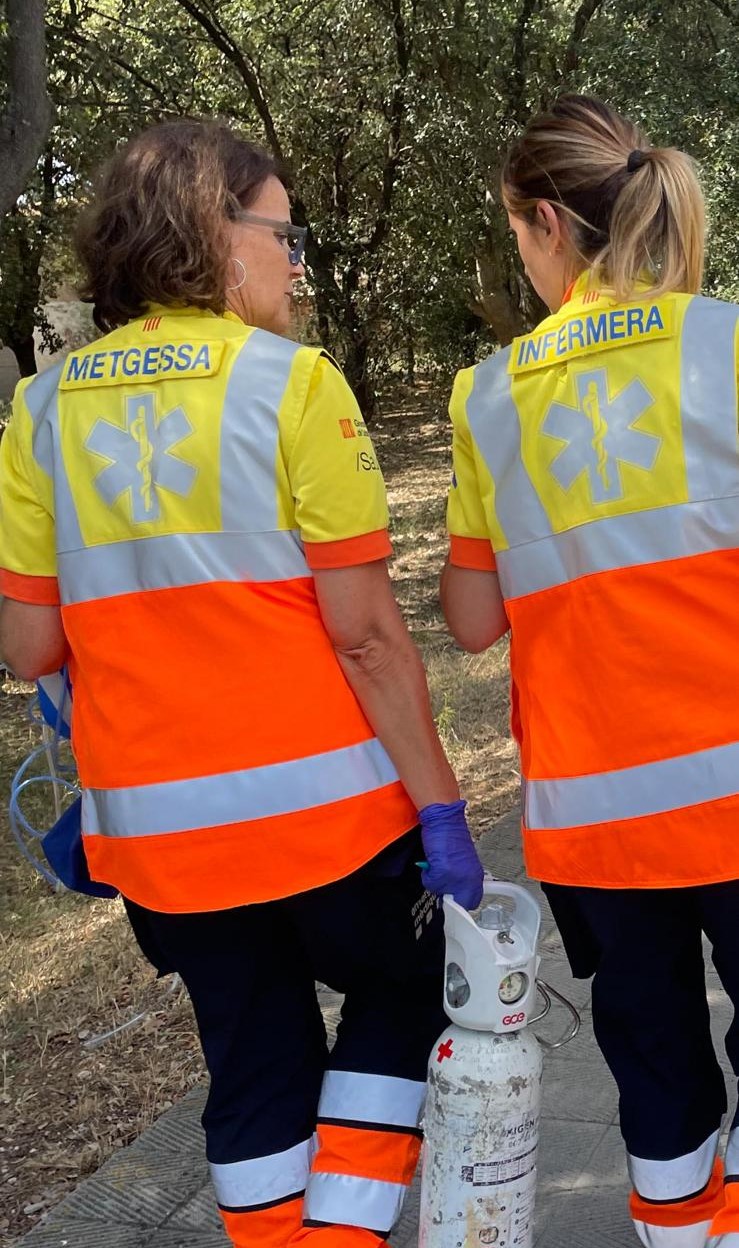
637,158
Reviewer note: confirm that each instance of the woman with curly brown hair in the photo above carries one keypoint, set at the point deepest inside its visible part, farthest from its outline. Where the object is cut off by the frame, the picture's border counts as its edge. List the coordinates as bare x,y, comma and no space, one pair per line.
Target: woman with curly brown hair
251,721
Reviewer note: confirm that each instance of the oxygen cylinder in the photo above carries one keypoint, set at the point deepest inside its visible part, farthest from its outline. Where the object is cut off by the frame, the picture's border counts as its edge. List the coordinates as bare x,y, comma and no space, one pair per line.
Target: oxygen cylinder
484,1080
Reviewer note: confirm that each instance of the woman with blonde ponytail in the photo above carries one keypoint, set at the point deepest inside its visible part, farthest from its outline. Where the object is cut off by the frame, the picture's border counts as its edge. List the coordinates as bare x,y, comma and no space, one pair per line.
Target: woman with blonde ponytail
594,512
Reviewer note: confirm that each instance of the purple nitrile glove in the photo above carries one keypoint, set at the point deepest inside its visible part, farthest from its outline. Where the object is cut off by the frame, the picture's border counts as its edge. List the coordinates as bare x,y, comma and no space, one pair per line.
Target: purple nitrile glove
453,864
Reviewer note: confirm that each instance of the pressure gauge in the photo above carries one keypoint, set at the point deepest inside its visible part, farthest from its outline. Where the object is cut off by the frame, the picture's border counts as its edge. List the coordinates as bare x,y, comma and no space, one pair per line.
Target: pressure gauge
513,987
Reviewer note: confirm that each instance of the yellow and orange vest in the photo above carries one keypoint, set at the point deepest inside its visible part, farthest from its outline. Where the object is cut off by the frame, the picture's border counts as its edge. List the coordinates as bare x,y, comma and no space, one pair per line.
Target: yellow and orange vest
597,470
175,483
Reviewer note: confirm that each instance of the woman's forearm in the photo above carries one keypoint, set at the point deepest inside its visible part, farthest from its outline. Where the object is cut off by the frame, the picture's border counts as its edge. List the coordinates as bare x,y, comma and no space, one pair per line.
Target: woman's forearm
389,682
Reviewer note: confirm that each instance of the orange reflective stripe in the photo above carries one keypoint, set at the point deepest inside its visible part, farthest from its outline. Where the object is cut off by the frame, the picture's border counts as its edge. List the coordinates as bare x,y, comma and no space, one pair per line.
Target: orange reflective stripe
348,551
39,591
475,553
270,1227
726,1218
695,845
700,1208
170,707
257,860
390,1156
633,662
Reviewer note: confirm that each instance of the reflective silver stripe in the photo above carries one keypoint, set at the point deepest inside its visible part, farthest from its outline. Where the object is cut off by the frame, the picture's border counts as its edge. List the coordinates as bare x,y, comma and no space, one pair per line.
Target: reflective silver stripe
262,1179
372,1098
236,796
677,1178
732,1152
620,542
179,559
708,398
691,1236
496,428
249,432
348,1201
631,792
42,400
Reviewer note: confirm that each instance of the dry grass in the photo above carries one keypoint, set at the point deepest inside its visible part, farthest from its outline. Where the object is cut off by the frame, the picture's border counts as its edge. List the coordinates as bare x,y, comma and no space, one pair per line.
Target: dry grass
69,967
469,692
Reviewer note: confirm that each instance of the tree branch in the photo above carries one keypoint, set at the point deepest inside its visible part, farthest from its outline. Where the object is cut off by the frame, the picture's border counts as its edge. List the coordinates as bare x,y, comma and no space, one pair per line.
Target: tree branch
87,46
222,40
27,119
727,9
396,118
518,74
585,13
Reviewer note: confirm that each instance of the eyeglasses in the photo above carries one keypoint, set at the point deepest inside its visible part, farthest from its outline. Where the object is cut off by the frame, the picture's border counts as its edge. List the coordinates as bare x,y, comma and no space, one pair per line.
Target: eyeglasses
293,235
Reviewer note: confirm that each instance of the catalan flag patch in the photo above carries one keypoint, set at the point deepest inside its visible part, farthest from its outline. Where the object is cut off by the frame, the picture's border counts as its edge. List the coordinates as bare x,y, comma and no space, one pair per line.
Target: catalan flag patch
152,322
347,429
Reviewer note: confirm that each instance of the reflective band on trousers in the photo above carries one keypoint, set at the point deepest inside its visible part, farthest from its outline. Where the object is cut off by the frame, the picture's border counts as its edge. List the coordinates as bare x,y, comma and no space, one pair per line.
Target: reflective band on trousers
691,1236
676,1178
237,796
177,560
620,542
344,1199
382,1099
240,1184
632,792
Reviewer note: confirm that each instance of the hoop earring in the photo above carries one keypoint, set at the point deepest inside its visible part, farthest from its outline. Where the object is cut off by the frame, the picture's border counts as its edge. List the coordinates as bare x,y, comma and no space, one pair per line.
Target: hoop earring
242,266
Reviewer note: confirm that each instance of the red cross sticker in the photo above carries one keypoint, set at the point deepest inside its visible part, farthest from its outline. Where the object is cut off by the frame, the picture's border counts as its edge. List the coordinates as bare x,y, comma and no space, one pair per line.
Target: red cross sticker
445,1050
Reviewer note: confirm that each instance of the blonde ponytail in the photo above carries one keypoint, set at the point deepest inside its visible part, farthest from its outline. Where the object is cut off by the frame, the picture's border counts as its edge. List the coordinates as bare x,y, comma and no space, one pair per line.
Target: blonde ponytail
633,211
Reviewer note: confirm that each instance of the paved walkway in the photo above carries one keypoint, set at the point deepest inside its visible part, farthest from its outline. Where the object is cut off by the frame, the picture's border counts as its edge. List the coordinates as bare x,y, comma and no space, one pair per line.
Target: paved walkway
155,1193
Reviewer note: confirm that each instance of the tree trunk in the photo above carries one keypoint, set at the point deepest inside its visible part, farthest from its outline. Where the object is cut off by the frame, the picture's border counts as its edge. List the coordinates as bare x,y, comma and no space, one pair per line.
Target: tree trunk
27,118
24,350
355,368
410,358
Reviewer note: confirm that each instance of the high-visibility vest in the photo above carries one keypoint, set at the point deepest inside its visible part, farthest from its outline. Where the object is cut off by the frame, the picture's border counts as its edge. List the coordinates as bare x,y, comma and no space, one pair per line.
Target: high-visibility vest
604,447
223,756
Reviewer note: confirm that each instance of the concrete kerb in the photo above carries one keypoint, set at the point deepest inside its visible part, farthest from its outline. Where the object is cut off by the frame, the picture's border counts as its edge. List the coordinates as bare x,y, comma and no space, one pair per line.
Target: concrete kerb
156,1191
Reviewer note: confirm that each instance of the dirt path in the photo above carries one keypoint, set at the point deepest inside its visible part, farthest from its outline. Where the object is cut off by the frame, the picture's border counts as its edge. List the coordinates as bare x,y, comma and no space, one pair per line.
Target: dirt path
68,966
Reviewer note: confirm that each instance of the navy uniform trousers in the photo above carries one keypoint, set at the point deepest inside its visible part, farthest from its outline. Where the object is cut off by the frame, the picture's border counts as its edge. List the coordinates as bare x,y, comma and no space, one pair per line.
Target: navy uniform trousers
651,1021
298,1139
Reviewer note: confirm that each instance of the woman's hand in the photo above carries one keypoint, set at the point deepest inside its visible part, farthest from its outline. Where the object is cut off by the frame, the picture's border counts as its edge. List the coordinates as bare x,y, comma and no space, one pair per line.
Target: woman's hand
453,864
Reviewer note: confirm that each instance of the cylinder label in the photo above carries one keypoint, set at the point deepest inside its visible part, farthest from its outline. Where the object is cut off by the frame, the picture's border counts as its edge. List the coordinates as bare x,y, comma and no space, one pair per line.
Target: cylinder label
504,1170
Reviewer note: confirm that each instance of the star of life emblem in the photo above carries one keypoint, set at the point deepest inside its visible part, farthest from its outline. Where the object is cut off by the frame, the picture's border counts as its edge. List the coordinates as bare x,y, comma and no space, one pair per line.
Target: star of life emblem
140,459
600,435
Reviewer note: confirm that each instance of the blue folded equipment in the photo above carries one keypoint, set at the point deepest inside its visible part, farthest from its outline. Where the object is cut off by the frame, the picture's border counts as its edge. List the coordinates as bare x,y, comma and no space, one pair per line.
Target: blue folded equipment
62,845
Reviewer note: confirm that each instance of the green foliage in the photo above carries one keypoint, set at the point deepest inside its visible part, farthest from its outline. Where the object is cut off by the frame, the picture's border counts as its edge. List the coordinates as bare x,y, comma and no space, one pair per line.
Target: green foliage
394,116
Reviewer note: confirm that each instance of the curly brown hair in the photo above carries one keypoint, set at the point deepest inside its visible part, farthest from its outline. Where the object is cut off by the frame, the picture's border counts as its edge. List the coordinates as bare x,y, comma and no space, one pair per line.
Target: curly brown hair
157,231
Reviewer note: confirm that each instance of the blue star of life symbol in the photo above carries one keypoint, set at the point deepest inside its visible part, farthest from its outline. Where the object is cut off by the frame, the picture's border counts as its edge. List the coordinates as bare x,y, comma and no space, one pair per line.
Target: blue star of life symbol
139,456
600,435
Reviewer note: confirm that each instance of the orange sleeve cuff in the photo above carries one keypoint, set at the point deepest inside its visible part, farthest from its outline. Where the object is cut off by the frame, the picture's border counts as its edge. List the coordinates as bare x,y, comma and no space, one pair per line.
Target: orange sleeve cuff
38,591
348,551
471,552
